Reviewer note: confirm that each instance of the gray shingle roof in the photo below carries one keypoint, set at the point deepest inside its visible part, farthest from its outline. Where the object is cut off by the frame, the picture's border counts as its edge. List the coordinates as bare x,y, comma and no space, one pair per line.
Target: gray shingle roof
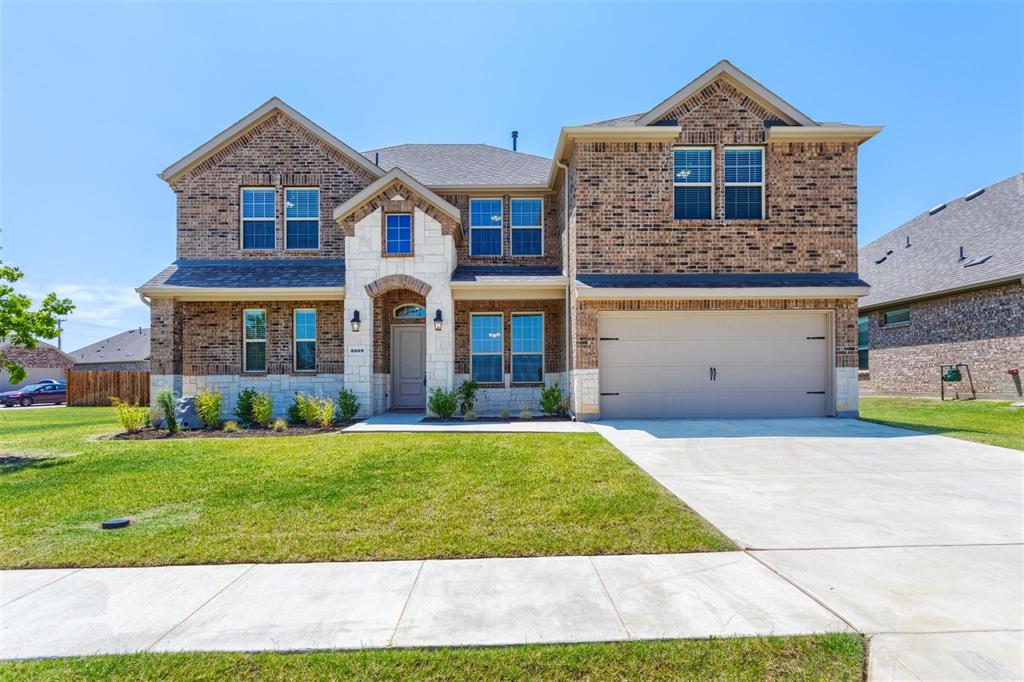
728,279
254,274
990,224
620,122
463,164
129,346
496,273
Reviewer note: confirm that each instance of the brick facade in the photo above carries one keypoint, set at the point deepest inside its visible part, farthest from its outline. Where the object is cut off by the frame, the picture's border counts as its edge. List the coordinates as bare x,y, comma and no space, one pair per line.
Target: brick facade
276,153
552,230
554,330
983,328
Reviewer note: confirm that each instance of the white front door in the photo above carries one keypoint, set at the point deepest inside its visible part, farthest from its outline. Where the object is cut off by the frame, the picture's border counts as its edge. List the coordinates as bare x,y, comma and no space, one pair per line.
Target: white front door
408,366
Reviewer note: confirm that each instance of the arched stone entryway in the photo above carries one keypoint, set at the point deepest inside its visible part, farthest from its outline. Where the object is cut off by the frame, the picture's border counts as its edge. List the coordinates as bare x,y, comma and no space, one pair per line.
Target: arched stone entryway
399,343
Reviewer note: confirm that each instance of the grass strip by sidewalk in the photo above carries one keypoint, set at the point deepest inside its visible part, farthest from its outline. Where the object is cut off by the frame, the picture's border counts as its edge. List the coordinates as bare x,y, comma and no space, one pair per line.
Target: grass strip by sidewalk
833,657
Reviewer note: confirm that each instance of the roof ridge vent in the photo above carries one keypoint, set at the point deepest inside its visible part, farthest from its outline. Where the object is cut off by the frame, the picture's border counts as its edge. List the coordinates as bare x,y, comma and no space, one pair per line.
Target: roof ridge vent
977,261
935,210
880,260
975,194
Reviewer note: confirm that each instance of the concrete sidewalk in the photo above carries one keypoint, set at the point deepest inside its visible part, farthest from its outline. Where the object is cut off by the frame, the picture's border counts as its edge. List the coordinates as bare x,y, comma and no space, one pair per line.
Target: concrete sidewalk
281,607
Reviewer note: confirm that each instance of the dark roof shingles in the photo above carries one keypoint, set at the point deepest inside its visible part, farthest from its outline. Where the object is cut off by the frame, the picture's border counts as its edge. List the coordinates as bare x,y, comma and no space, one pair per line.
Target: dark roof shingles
129,346
483,273
251,274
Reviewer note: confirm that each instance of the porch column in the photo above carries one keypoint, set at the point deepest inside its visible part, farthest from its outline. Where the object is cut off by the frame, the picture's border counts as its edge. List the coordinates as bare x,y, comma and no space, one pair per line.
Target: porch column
359,348
440,350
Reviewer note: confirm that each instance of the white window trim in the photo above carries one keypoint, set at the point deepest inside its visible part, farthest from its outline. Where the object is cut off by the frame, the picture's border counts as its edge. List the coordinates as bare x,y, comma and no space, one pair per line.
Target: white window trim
246,340
732,147
513,353
500,228
242,219
513,228
688,147
887,325
296,339
288,220
412,234
500,316
394,313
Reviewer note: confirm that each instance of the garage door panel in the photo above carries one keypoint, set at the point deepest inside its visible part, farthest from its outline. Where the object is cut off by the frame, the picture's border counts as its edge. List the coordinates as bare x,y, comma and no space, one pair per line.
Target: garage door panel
767,365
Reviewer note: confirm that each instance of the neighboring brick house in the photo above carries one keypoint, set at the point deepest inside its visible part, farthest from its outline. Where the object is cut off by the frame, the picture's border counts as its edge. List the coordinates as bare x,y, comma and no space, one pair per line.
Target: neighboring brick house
698,259
127,351
45,361
946,288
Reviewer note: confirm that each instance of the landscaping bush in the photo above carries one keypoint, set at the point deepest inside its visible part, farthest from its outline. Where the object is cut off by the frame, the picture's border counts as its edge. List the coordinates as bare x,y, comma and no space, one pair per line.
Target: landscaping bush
348,405
551,399
467,395
208,407
243,406
297,410
280,425
262,409
505,414
231,426
469,416
312,411
165,399
443,403
526,415
131,417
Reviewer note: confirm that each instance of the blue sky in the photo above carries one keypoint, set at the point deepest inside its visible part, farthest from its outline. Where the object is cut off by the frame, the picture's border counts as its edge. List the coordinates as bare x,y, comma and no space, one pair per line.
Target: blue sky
97,98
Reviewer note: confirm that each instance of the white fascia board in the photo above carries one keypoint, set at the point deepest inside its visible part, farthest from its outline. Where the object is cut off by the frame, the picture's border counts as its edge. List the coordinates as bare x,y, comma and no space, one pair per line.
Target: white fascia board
273,104
570,134
823,133
506,291
745,82
396,174
719,292
244,294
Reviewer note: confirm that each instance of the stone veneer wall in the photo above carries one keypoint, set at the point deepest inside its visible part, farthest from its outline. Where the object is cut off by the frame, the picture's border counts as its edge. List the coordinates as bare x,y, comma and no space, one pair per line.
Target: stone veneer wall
983,328
281,387
275,153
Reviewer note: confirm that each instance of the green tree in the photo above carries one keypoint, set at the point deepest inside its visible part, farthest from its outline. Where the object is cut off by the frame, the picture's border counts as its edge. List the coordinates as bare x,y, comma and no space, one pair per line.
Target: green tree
21,325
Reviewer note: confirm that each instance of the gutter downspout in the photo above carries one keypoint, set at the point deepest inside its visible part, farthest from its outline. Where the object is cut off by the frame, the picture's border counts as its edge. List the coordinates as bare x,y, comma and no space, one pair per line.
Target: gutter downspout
566,241
148,302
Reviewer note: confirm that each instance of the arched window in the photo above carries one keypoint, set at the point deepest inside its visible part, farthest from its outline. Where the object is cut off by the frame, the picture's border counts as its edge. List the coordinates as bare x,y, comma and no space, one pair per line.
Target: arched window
410,311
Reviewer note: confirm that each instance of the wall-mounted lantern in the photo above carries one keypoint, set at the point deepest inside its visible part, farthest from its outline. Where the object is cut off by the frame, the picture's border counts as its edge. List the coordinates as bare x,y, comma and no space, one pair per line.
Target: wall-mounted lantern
355,320
438,320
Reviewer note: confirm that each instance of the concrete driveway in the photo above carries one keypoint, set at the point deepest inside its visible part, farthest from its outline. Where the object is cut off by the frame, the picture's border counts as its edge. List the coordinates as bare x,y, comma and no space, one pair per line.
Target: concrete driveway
914,540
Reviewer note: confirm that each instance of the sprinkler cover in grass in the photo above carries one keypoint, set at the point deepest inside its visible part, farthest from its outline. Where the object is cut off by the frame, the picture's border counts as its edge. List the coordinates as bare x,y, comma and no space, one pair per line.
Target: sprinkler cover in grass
111,524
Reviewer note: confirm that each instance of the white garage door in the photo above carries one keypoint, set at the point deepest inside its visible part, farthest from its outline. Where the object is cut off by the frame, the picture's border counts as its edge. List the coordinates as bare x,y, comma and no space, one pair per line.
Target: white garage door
721,364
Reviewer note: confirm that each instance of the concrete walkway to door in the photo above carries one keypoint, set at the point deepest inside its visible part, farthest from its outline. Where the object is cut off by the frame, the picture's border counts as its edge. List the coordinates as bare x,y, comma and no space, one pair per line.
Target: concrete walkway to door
916,540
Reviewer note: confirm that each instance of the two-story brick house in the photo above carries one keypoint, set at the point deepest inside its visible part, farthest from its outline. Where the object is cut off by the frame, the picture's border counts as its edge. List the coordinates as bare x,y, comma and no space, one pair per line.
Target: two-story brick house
698,259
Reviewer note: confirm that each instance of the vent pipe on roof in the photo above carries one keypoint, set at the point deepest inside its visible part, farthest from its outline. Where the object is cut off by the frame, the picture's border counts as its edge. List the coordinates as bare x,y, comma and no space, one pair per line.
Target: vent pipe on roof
962,256
515,138
376,158
907,245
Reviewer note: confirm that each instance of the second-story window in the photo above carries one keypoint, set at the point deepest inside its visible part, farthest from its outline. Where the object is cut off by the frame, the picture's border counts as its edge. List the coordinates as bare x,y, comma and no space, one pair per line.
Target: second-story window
258,218
527,220
302,218
485,227
692,176
398,235
744,183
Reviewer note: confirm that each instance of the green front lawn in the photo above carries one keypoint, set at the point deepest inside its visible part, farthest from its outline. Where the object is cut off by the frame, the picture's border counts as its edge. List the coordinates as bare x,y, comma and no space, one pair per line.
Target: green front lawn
834,657
984,421
332,497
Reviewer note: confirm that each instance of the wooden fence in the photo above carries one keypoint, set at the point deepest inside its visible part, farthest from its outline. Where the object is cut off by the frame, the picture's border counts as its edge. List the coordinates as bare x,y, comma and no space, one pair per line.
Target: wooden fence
97,387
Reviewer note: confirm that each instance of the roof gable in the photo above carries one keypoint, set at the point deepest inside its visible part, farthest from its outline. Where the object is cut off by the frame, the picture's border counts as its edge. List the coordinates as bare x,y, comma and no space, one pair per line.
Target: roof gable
726,71
372,196
129,346
269,108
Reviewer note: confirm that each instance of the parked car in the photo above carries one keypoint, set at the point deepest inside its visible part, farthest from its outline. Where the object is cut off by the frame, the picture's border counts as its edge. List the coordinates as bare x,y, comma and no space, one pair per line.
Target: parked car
50,381
35,394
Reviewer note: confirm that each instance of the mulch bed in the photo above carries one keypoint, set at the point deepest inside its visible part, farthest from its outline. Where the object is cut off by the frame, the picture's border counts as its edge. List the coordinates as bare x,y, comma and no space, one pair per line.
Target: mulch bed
150,433
493,420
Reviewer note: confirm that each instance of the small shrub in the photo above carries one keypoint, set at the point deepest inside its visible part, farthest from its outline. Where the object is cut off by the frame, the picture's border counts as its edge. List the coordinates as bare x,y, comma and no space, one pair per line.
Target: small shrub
469,416
443,403
467,395
505,414
243,406
231,426
348,405
208,407
551,399
280,425
526,415
165,400
262,409
296,411
322,411
131,417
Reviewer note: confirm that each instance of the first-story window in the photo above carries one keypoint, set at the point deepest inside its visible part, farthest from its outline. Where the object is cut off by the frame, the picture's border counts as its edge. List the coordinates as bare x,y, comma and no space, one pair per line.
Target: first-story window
255,341
894,317
527,348
399,233
527,221
485,220
862,343
692,178
744,183
258,218
486,348
302,218
305,340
